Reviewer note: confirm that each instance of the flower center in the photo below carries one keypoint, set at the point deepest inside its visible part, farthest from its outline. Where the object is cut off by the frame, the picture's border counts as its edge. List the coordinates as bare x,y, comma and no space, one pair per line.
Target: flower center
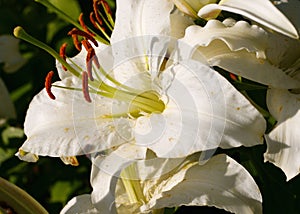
94,78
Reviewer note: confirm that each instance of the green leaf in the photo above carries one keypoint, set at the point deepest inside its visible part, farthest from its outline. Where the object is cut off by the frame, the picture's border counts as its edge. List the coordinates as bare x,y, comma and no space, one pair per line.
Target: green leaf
70,7
11,132
18,199
61,190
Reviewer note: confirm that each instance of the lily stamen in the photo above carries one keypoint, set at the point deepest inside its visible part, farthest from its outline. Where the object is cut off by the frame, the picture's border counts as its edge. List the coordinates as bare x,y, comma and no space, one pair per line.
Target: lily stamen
88,36
48,84
62,53
76,42
85,28
85,87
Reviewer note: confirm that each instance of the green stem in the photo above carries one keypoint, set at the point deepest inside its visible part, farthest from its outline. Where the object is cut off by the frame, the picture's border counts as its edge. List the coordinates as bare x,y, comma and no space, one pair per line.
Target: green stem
18,199
68,18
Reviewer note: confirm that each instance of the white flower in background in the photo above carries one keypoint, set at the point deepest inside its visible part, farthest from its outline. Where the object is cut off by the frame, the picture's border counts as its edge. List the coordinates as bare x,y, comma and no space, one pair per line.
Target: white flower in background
259,11
12,59
149,186
191,7
10,54
268,58
137,94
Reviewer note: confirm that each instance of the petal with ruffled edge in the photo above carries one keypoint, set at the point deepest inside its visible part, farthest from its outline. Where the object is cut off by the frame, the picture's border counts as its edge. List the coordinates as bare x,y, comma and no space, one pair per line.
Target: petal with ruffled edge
70,126
202,112
81,204
238,48
221,182
283,141
106,172
262,12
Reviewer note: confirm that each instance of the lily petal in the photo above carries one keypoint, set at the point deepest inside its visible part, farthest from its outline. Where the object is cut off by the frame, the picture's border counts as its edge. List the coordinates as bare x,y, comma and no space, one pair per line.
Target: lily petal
260,11
221,182
283,141
141,17
106,171
195,118
81,204
70,126
241,49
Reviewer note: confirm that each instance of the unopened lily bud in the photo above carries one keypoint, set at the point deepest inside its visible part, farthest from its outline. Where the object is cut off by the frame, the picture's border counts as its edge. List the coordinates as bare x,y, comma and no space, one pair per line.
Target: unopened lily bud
191,7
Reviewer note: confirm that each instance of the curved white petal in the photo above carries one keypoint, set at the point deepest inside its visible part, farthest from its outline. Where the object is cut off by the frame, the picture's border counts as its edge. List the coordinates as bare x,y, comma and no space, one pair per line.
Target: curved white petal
141,17
237,36
283,140
221,182
240,57
7,109
70,126
10,54
260,11
81,204
106,171
203,111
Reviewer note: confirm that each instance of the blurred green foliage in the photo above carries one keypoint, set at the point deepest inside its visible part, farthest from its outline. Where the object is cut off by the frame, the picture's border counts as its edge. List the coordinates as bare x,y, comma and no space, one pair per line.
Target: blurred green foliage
51,182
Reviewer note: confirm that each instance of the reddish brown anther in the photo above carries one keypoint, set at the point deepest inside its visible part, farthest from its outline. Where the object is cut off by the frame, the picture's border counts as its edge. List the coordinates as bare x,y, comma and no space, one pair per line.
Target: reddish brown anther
76,42
96,9
106,7
88,36
86,45
62,53
48,84
233,77
89,61
85,28
85,87
95,24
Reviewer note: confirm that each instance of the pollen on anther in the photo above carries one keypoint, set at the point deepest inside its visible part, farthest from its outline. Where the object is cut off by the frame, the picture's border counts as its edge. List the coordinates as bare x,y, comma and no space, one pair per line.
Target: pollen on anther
87,35
85,87
48,84
62,53
85,28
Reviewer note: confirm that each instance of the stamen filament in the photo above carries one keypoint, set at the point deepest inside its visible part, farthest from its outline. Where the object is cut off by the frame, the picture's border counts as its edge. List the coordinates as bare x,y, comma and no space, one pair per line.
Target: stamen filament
108,13
20,33
105,21
99,26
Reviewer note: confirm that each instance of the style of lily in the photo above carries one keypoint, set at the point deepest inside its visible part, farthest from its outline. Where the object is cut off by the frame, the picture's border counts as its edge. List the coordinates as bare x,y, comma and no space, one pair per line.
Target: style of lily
266,57
133,91
13,60
153,184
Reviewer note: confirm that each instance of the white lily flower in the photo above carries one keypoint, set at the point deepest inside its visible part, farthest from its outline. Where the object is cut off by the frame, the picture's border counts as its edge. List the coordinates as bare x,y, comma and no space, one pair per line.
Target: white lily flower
260,11
284,105
151,185
191,7
268,58
134,97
